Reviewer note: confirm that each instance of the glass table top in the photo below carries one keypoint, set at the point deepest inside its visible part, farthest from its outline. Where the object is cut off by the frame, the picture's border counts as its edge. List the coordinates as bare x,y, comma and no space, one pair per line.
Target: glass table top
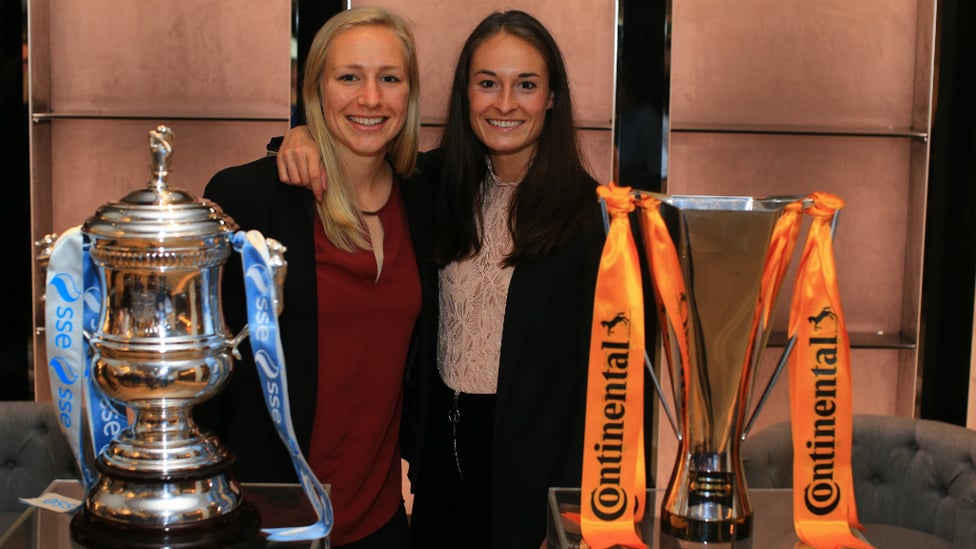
772,522
772,526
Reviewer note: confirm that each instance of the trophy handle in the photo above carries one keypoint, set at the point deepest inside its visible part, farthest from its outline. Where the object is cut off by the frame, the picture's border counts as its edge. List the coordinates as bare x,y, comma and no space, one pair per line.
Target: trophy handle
238,339
769,386
279,268
782,359
660,394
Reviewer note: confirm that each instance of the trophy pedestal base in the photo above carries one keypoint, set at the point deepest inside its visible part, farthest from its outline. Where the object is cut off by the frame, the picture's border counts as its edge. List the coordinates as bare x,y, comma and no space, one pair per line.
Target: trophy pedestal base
697,531
239,529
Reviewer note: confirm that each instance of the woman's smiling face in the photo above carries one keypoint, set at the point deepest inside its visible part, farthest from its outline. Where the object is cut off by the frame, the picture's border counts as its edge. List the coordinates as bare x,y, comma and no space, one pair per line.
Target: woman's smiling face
365,89
508,94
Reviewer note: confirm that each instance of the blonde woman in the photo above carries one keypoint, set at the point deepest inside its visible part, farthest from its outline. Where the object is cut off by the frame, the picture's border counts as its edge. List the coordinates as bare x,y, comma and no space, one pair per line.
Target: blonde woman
359,282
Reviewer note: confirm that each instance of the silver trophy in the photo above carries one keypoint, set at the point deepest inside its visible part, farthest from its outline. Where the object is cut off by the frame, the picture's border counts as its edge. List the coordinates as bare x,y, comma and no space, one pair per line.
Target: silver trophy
729,286
160,348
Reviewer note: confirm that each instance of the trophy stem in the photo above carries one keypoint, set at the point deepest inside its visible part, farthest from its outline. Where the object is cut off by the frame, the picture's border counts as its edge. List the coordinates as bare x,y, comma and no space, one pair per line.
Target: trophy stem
163,442
162,483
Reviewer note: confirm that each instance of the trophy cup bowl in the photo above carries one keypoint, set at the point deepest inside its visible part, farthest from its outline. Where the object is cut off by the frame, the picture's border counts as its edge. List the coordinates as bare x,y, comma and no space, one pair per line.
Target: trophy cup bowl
160,348
712,348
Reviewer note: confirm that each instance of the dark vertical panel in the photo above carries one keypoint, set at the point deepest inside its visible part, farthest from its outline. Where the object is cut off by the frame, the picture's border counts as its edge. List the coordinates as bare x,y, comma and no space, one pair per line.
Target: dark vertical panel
640,132
15,363
307,17
643,84
950,239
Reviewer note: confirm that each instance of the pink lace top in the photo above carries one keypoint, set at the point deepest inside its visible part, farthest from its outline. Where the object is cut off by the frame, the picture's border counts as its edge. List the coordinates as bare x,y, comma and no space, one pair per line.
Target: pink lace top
473,292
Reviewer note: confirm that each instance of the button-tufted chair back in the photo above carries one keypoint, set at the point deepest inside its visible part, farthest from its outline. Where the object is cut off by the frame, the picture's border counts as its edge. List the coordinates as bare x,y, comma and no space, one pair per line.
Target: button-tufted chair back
33,452
911,476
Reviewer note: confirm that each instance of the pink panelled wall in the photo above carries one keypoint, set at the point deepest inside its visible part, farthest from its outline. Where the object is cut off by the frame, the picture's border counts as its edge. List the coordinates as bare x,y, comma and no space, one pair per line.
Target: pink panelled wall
217,72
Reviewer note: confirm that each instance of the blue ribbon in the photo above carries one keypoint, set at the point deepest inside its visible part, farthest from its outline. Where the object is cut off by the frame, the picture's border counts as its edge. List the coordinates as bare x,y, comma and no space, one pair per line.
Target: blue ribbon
72,308
265,341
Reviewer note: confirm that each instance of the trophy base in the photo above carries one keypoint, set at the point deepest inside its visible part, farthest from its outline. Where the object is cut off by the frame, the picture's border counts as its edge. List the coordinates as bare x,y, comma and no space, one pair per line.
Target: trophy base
239,529
706,531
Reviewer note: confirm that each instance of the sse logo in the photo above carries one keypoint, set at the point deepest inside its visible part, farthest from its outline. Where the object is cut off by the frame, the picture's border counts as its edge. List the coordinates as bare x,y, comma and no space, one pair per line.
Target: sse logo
67,291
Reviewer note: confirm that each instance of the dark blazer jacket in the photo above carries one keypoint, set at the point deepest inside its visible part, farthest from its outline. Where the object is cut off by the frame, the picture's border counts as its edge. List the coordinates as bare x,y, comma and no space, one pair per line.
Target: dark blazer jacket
255,198
539,411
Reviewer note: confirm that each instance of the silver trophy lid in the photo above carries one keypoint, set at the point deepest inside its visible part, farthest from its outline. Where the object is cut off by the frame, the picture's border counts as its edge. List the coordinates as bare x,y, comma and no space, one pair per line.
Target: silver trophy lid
157,212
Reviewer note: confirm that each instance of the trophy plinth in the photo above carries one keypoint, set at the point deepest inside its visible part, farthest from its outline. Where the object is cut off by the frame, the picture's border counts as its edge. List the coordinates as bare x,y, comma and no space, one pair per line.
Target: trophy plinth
238,529
161,347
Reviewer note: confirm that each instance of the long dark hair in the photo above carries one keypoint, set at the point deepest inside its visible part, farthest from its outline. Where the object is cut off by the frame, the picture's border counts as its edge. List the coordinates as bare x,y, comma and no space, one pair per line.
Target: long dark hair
557,195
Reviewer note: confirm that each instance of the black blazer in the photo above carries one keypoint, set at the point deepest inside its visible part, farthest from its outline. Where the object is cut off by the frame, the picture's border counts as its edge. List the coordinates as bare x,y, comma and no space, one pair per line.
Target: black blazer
255,198
541,400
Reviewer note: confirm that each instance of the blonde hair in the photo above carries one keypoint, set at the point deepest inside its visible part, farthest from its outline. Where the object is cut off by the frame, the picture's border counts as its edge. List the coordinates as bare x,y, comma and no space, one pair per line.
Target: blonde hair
338,211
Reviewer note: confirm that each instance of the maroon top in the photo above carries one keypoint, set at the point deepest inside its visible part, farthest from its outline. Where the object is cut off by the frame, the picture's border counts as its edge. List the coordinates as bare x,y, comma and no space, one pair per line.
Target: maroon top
365,326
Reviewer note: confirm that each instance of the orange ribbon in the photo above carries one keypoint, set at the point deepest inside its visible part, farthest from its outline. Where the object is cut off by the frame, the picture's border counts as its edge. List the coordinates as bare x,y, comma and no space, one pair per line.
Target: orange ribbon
614,480
669,285
824,510
781,247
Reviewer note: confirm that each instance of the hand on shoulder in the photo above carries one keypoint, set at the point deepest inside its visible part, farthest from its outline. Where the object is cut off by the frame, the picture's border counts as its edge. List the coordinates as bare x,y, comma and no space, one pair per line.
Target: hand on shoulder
299,161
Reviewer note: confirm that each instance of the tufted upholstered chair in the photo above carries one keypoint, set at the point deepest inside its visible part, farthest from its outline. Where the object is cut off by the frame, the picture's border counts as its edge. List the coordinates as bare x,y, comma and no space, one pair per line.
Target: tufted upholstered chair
914,479
33,452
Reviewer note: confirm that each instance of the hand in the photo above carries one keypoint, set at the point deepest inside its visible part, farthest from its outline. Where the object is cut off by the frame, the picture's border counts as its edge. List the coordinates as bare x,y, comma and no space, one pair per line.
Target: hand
300,162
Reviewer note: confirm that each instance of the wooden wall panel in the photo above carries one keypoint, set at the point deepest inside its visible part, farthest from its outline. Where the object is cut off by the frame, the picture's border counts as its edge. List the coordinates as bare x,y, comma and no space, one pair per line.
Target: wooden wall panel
101,161
181,57
830,62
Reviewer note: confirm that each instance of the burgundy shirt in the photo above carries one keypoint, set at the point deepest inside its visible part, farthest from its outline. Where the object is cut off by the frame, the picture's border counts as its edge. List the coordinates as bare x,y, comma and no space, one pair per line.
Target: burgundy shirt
365,326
